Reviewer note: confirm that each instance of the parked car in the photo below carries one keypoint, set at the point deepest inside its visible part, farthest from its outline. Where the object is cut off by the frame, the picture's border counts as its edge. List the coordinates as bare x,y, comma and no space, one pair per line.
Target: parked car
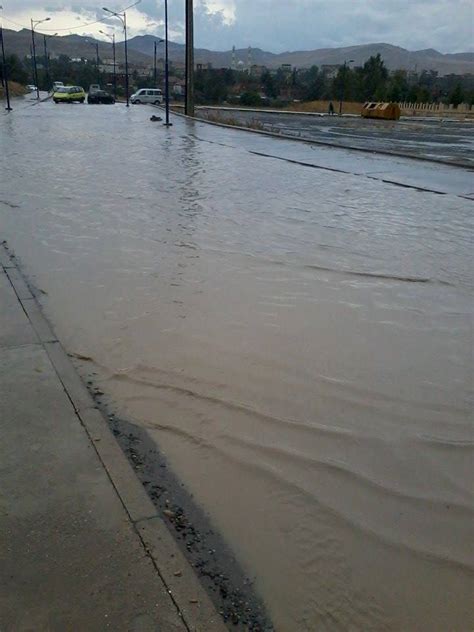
100,96
57,84
94,87
68,94
31,88
147,95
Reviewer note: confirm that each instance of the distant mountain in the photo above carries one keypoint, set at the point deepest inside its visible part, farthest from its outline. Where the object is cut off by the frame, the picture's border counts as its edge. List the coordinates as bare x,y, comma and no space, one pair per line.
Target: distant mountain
19,43
219,59
463,56
141,52
395,57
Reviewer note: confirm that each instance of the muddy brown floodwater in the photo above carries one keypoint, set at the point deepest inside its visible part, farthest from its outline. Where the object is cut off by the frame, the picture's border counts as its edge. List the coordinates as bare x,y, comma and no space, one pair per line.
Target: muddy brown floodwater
297,341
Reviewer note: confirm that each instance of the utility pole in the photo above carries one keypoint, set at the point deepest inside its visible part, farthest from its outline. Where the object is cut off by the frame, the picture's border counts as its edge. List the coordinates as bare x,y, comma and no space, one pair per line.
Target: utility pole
115,66
189,105
5,72
123,17
35,69
46,60
127,84
97,61
112,38
156,43
35,23
167,71
343,87
46,63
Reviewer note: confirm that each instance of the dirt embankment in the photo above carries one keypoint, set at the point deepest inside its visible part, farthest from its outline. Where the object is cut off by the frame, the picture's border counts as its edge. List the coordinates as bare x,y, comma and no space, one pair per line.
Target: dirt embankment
463,112
16,89
348,107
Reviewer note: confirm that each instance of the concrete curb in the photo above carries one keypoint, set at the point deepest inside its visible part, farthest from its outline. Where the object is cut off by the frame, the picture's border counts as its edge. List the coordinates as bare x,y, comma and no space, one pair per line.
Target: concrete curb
185,590
403,117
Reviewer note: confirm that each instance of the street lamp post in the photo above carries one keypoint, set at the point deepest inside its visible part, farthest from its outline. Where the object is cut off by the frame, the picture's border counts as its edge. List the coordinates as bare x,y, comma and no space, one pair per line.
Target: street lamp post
343,89
5,72
46,58
160,41
167,71
112,37
97,61
32,65
123,17
189,95
35,67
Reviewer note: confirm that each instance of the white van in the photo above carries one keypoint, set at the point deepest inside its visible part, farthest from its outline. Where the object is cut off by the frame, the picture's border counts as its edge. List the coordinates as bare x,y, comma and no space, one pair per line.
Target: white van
147,95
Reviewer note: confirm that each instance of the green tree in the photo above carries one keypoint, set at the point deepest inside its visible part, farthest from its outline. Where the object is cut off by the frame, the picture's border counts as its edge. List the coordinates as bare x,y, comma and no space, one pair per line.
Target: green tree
398,86
269,84
343,84
210,86
457,96
423,95
250,99
16,69
374,78
312,84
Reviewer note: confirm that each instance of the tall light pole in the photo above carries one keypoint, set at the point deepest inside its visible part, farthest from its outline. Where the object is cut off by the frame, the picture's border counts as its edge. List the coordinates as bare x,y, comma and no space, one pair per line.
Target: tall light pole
123,17
156,44
343,89
35,67
112,37
97,61
189,103
167,71
4,71
46,58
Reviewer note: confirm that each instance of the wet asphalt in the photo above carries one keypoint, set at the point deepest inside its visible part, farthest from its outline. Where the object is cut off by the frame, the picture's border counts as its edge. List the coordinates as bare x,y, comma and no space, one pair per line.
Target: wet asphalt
434,138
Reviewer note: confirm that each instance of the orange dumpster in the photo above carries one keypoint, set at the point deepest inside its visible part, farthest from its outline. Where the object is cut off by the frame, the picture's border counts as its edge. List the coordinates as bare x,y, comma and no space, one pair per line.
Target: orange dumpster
386,111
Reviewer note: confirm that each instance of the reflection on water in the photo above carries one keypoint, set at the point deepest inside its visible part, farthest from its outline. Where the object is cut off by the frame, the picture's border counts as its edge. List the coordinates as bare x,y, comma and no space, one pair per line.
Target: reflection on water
297,341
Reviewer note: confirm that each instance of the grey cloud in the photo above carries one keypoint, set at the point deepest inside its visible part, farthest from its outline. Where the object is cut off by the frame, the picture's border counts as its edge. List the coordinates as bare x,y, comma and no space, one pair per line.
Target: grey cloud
279,25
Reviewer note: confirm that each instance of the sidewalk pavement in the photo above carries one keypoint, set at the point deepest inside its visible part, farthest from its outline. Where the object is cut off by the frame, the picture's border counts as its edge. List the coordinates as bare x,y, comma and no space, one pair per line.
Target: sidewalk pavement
81,546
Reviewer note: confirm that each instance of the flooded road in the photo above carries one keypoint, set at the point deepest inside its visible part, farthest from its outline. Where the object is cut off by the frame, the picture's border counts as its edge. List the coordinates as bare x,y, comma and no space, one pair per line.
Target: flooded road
449,140
298,341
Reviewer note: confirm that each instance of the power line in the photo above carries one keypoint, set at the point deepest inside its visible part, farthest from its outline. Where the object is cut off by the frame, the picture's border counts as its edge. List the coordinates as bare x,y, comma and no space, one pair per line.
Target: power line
15,23
70,28
79,26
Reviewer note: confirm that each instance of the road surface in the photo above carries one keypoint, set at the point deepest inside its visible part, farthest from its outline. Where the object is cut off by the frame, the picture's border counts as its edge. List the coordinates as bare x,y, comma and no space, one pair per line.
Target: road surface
292,324
432,138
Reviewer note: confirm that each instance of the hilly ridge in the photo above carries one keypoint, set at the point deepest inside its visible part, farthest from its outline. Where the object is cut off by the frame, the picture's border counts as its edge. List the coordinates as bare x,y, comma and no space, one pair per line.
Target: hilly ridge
395,57
141,52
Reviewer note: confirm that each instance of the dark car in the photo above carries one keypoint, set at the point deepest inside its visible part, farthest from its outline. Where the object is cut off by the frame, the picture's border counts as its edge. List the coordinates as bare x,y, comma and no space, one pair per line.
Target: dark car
100,96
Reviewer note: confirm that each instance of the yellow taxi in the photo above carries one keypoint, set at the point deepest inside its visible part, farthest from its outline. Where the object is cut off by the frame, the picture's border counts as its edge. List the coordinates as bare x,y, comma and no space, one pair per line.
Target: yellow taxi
68,94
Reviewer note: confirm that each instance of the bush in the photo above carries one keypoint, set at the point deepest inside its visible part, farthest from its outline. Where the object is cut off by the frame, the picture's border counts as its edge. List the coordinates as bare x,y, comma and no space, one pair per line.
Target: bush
250,99
457,96
279,103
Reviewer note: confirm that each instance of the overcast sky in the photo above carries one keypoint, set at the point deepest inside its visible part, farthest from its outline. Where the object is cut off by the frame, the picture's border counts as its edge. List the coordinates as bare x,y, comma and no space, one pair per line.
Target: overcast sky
274,25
